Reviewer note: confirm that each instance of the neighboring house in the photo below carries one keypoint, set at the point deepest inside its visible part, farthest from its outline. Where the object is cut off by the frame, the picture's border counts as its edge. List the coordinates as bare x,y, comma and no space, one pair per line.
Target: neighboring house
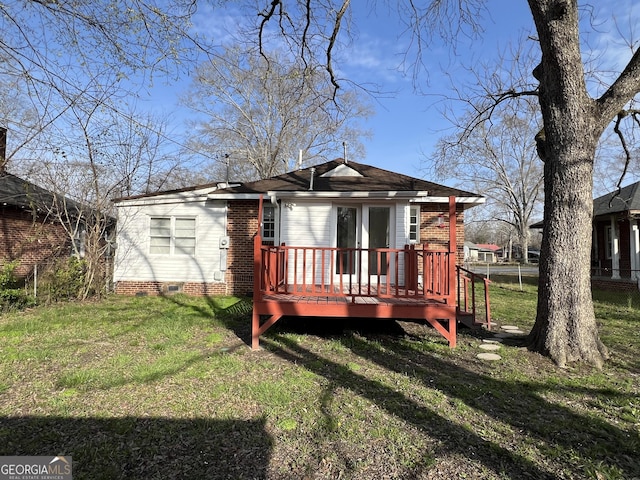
488,252
615,247
484,253
199,240
29,233
616,241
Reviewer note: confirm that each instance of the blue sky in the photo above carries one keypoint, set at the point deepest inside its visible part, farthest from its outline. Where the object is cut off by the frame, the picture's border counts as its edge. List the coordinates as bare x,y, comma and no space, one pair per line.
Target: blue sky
407,125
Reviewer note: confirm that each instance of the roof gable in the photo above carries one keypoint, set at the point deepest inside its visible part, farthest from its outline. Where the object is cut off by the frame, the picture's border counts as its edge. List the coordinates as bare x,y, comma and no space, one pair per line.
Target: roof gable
326,179
342,170
340,176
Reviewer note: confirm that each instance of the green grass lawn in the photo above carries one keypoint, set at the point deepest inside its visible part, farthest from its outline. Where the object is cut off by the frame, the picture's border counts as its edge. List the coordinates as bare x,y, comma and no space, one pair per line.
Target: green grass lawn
143,387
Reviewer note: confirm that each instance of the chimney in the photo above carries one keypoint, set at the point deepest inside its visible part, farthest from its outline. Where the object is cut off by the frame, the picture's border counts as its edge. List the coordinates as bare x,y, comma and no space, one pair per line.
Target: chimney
344,155
3,149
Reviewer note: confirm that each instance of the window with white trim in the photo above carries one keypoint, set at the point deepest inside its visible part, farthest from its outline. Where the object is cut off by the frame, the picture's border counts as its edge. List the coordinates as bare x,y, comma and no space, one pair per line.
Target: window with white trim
172,235
269,223
78,247
414,224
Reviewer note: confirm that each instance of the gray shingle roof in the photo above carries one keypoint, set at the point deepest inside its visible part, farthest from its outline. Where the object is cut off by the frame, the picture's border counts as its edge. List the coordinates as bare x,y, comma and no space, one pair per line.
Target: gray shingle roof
628,199
370,179
17,192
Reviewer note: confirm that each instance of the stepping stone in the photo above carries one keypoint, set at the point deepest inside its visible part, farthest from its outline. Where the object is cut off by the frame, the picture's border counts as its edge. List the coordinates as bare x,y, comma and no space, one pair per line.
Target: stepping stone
517,332
489,356
491,340
489,346
510,327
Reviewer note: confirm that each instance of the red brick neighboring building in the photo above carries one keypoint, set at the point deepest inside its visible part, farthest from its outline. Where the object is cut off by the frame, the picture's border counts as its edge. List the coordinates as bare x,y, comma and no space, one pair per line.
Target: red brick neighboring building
29,233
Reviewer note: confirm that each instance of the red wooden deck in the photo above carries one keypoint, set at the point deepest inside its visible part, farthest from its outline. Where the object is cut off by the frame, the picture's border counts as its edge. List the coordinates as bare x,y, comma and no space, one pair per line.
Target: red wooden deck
410,283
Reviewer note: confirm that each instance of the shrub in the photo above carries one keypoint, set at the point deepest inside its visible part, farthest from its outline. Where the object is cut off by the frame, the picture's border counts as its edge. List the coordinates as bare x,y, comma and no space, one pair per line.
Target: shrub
11,295
63,280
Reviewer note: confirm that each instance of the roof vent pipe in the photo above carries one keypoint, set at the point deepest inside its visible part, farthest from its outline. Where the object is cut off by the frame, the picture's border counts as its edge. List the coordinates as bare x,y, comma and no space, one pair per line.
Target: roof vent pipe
344,154
313,172
300,160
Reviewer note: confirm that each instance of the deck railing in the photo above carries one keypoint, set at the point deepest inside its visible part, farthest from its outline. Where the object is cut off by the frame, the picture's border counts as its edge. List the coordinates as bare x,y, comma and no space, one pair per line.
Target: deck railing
468,301
413,271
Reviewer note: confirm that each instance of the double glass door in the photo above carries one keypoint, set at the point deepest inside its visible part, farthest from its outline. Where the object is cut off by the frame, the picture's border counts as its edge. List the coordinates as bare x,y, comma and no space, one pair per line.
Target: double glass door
353,231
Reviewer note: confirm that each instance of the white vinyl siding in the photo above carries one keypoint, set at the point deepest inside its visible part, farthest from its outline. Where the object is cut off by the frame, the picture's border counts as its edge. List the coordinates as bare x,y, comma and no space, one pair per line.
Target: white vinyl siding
308,225
199,234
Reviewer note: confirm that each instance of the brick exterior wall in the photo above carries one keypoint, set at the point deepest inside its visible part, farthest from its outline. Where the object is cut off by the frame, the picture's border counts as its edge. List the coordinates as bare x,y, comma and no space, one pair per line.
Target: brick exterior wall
31,240
438,237
242,225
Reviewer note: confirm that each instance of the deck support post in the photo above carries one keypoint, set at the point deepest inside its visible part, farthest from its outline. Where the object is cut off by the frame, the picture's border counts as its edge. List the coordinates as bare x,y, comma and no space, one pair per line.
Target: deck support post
255,330
453,249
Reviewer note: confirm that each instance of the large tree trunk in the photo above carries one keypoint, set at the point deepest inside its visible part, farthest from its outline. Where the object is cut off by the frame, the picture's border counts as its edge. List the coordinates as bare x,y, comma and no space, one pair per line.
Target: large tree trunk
565,327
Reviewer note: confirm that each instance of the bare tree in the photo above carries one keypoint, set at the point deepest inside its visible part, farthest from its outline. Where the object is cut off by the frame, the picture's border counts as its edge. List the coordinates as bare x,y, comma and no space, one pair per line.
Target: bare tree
99,157
499,159
55,55
257,114
573,122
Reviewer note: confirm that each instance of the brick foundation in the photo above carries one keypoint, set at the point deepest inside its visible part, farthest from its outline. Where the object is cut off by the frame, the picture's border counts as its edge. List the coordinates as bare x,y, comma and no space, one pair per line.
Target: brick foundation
169,288
622,285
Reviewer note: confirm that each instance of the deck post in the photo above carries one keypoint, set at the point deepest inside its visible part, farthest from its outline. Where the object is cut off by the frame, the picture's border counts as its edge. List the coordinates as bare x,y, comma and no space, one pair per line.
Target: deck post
453,332
255,330
257,256
410,267
257,280
453,249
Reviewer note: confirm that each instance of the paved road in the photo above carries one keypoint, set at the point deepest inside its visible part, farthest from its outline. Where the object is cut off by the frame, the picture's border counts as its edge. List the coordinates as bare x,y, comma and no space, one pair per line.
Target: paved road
499,269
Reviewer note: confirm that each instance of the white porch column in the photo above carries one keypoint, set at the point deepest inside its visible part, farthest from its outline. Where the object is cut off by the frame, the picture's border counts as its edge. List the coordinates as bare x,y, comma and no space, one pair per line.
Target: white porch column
634,242
615,250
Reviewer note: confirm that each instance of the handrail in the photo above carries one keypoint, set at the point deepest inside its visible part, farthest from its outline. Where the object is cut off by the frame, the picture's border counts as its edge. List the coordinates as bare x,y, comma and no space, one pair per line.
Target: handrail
357,272
467,279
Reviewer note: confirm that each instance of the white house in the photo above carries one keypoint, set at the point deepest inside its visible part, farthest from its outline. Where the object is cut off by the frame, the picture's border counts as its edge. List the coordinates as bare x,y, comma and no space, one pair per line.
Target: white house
199,240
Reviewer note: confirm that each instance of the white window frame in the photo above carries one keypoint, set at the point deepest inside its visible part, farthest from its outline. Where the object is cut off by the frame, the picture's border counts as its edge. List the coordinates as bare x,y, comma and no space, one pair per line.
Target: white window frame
413,224
272,223
79,243
175,233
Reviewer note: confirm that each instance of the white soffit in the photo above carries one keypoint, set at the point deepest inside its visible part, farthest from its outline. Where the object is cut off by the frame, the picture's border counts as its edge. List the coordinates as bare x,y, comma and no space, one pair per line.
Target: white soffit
464,200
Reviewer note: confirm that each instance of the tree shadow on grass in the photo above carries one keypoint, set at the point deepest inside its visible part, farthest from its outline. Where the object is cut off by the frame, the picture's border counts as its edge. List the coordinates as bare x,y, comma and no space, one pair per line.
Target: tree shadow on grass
236,317
546,426
144,448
